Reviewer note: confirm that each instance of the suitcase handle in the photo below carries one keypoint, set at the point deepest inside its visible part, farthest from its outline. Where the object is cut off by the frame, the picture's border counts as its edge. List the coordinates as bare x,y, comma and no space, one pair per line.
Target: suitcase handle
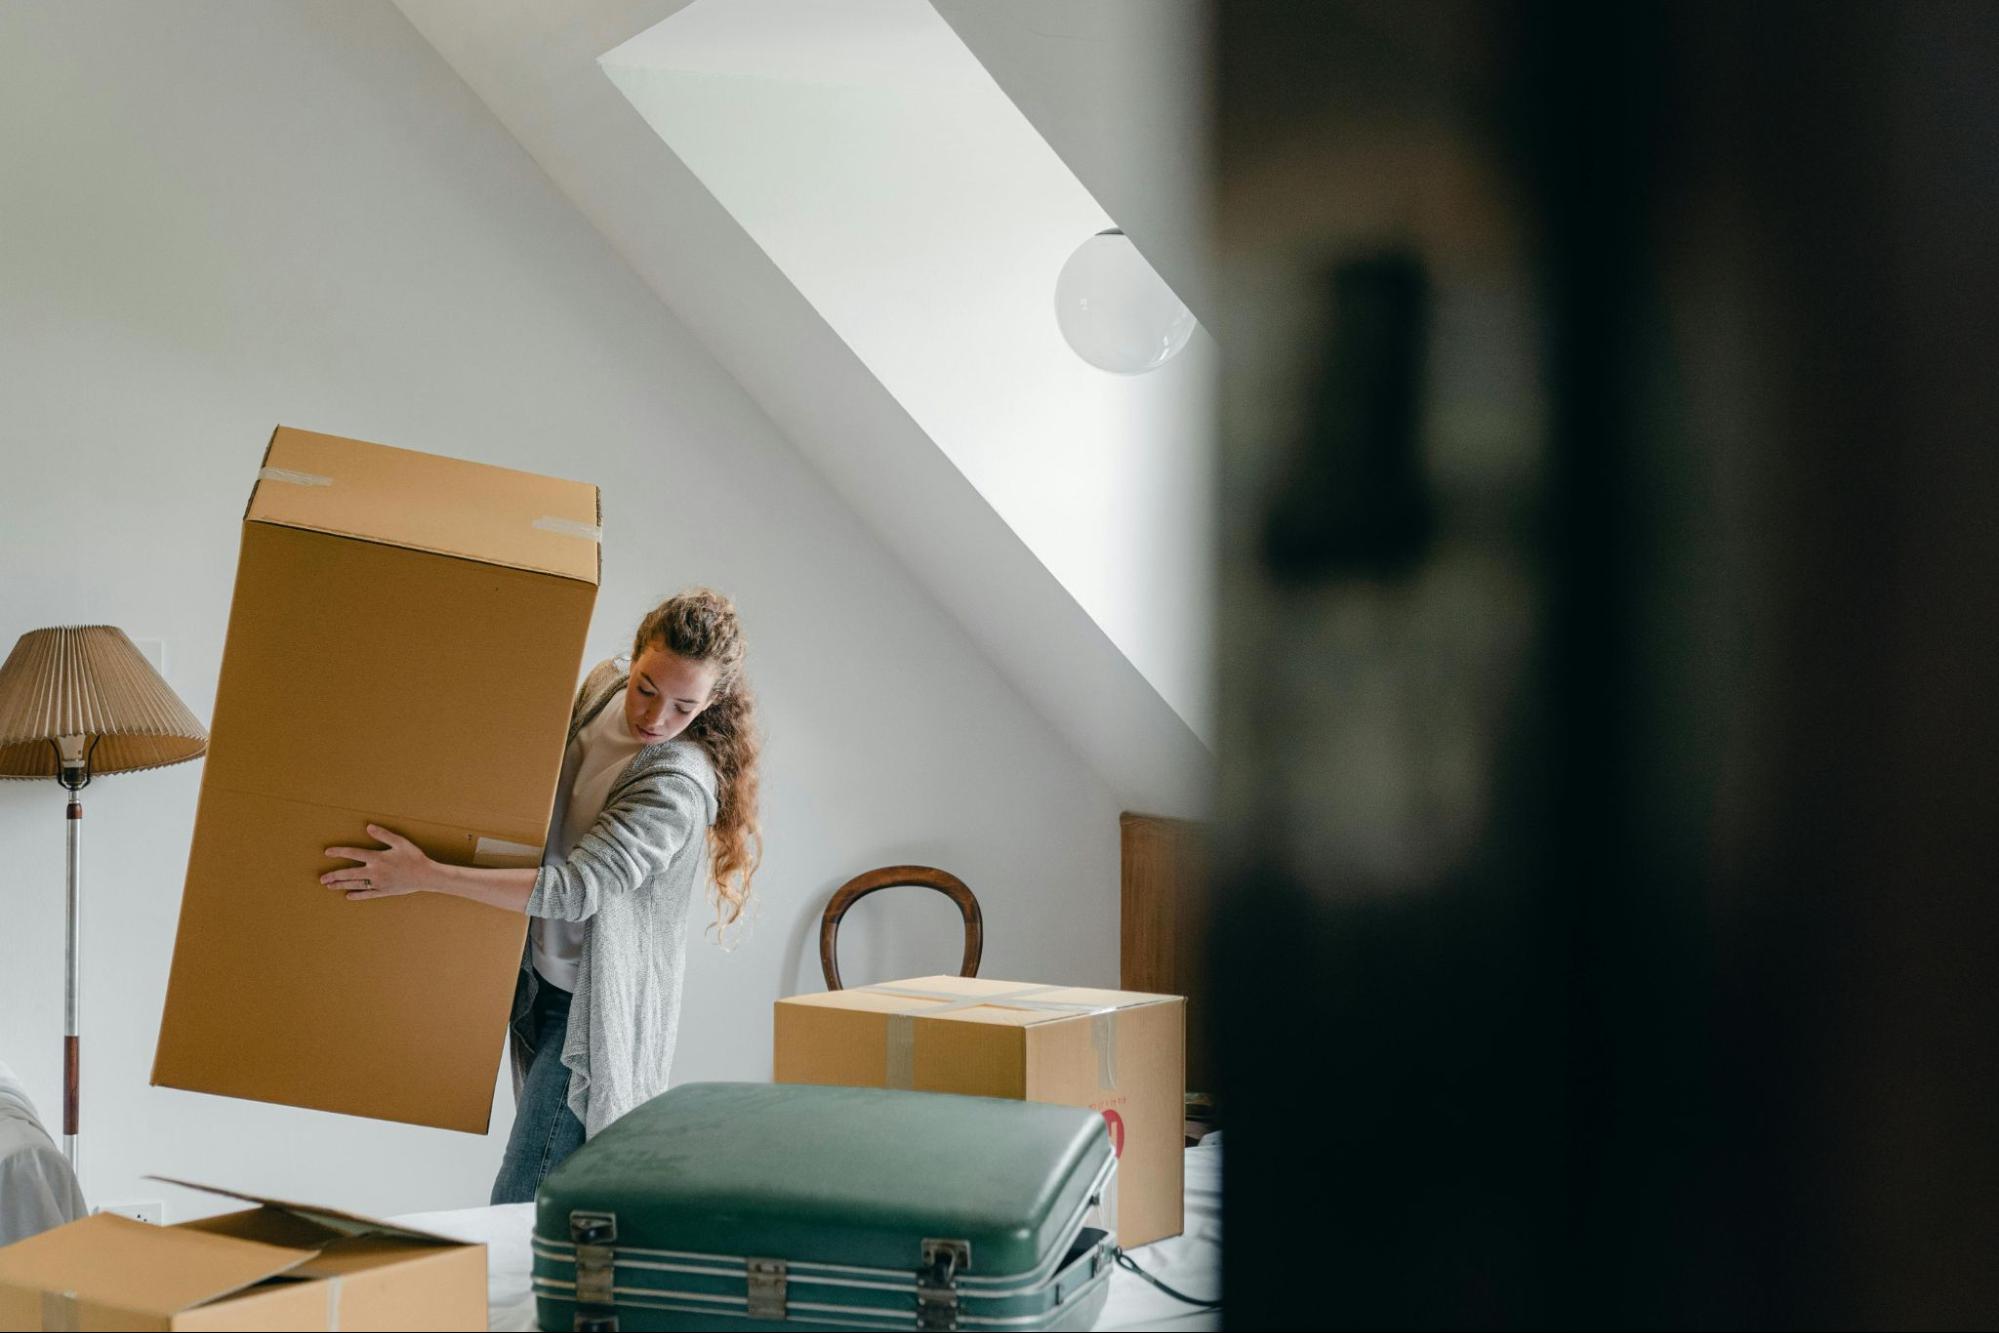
889,877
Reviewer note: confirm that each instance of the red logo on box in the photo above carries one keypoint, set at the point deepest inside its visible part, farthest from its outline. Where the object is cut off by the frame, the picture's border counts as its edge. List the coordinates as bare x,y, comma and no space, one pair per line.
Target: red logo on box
1116,1123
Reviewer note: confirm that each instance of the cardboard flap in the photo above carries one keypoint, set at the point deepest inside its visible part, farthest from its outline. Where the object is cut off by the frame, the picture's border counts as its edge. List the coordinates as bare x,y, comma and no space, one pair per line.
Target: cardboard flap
363,1254
401,497
114,1261
333,1219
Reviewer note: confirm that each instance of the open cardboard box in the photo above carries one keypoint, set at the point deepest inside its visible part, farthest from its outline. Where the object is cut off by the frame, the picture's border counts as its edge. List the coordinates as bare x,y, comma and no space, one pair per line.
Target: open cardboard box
278,1265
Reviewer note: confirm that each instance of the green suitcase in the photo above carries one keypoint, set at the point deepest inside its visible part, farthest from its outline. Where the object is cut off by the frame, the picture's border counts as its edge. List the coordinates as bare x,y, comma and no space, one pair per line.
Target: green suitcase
794,1206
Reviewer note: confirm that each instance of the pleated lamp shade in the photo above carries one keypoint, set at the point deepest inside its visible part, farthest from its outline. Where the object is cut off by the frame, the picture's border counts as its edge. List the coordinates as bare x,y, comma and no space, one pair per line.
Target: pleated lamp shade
89,681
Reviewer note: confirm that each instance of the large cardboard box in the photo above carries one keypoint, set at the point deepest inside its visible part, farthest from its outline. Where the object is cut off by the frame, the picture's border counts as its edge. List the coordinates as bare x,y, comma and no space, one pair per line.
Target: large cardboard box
403,649
1118,1052
279,1265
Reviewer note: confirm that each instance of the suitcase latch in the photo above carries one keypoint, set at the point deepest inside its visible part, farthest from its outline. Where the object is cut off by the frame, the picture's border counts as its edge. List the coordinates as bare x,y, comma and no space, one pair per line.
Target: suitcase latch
766,1279
937,1282
596,1258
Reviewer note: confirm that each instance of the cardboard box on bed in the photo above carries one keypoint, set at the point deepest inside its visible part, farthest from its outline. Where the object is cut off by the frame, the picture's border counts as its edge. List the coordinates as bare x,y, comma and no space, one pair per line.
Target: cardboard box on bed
1119,1052
403,649
279,1265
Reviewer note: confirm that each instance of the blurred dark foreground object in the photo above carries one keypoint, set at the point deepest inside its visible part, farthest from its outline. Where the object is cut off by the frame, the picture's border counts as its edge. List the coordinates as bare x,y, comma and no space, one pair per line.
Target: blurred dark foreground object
1610,732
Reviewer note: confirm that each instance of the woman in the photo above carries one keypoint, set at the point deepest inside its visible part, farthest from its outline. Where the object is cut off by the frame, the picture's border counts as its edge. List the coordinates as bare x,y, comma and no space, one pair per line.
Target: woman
658,783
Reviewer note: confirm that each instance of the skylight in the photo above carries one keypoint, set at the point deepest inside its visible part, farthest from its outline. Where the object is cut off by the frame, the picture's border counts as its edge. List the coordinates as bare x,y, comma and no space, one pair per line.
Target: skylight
872,157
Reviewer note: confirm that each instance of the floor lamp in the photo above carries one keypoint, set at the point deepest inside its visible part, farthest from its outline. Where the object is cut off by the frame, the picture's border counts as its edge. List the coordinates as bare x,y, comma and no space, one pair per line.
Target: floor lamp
78,701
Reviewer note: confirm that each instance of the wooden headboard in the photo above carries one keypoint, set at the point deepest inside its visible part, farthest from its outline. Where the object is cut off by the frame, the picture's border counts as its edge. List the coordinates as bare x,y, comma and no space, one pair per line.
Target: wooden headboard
1163,914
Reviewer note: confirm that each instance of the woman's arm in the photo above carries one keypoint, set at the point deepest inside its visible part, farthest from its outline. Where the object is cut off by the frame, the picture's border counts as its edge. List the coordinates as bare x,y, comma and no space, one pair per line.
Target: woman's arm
507,890
632,840
402,867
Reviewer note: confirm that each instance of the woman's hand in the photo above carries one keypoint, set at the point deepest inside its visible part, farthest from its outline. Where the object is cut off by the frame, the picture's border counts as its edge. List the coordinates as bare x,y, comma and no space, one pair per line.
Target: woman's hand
384,872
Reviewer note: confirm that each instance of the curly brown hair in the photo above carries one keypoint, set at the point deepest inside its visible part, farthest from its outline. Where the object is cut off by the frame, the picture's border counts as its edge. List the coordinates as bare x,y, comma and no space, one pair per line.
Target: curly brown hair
701,625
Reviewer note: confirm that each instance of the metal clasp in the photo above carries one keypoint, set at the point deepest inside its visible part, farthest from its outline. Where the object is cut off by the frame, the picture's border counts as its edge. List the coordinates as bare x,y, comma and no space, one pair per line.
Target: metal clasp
766,1283
596,1263
937,1282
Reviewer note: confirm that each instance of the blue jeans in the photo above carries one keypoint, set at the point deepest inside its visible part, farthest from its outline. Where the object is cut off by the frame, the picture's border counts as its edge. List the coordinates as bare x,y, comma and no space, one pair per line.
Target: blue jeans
545,1129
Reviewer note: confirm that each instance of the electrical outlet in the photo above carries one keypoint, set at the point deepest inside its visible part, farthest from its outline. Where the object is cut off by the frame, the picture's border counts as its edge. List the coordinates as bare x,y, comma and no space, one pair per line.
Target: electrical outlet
146,1210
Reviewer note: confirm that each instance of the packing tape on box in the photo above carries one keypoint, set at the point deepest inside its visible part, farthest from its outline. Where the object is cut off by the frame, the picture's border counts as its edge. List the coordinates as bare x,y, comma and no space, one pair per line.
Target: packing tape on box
1103,1036
899,1065
295,478
59,1311
569,527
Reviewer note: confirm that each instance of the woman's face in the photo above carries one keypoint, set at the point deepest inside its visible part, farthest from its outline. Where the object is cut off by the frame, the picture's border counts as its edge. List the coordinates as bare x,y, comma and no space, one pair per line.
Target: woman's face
666,692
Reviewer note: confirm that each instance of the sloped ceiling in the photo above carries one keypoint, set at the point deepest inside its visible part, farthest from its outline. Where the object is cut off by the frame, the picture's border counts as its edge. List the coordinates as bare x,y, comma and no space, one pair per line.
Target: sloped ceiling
535,66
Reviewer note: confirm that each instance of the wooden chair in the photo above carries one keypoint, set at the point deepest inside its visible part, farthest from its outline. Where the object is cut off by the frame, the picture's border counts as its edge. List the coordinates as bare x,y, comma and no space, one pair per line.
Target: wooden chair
888,877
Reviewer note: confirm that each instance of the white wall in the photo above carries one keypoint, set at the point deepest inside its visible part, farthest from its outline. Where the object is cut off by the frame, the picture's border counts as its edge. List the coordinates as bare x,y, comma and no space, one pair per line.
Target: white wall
219,216
535,66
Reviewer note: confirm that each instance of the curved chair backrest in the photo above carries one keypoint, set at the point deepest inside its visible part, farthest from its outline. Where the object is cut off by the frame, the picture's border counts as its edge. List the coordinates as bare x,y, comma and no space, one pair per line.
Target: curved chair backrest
889,877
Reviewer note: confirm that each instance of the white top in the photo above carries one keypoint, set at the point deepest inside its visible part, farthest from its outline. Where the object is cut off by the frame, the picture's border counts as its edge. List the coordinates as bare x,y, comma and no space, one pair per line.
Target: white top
601,751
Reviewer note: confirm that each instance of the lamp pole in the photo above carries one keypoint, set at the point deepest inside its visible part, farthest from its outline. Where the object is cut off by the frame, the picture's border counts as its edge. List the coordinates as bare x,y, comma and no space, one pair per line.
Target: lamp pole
74,760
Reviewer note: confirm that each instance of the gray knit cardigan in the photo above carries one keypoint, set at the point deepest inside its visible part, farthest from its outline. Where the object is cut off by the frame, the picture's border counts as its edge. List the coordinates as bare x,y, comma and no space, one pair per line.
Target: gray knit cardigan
633,878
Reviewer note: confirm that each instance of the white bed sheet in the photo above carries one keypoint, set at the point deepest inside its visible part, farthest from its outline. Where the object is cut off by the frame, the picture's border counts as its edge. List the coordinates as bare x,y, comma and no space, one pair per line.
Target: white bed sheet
38,1191
1191,1262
